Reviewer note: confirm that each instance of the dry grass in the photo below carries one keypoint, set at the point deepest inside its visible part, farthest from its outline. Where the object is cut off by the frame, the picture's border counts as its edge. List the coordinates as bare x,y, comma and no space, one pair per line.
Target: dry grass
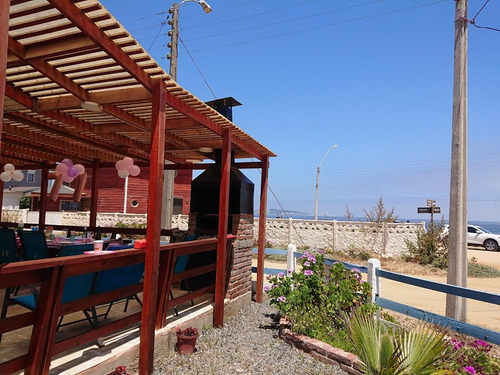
395,265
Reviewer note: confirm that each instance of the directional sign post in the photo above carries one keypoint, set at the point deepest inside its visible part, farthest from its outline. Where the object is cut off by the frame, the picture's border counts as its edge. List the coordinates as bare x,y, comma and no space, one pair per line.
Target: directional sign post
430,209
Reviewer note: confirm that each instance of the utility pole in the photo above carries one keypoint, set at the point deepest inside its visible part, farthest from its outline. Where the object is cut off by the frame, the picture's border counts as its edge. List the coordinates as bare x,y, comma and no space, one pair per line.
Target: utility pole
167,205
317,182
456,307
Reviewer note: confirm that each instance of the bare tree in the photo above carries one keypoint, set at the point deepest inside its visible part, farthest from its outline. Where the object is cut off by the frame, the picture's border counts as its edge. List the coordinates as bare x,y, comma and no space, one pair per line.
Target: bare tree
348,214
379,214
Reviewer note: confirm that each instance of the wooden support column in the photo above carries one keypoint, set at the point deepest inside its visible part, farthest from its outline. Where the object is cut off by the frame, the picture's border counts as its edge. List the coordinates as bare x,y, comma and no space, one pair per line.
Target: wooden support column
262,230
4,37
42,212
94,201
220,276
4,42
155,191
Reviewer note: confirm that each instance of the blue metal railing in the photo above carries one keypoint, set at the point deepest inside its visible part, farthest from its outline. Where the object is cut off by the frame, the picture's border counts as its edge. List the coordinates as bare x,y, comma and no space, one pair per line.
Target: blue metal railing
459,326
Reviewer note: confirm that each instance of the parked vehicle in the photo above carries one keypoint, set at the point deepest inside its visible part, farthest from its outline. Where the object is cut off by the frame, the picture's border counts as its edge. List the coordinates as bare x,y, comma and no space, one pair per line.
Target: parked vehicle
479,236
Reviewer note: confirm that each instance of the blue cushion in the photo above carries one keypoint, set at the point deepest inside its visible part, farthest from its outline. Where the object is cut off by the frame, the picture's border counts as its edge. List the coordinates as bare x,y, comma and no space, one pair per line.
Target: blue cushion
27,301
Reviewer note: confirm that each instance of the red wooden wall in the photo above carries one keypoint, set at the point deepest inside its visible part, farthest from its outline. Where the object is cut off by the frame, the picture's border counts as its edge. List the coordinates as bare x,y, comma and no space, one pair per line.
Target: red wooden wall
112,188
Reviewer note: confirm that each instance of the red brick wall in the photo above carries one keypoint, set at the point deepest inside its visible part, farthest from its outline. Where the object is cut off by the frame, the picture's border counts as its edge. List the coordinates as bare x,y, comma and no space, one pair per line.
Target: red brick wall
240,279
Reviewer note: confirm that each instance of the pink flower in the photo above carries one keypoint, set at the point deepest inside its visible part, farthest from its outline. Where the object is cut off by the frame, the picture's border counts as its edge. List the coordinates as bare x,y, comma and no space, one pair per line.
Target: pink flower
307,264
469,370
267,288
308,272
281,299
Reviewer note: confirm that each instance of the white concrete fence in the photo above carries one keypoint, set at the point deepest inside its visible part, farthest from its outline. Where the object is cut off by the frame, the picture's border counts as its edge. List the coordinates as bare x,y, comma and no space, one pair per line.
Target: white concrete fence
385,239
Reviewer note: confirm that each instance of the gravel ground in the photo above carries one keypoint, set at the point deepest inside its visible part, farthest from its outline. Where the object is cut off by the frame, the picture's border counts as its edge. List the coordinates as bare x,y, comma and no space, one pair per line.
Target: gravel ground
247,344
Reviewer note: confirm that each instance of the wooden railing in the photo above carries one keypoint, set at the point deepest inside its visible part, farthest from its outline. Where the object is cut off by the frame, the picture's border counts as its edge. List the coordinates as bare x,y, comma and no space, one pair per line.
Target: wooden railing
79,228
50,275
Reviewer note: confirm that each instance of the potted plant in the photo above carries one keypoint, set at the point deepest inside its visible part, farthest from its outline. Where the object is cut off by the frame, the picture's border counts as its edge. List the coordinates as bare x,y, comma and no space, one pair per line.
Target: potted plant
186,340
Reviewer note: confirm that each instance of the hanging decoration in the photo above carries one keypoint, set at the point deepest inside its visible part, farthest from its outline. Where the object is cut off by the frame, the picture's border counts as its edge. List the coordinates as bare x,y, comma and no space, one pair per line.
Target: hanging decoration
69,170
126,167
11,173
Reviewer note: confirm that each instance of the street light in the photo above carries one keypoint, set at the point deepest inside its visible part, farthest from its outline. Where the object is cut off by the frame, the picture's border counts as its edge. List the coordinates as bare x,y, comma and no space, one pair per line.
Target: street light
174,32
168,178
317,181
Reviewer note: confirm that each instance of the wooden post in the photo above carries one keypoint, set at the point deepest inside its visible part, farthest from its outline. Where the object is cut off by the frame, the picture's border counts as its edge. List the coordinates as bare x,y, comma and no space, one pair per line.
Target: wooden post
456,307
153,232
262,230
4,36
220,276
42,212
94,194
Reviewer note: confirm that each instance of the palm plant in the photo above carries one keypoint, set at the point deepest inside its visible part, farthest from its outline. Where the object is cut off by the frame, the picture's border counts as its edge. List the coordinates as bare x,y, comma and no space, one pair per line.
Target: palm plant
393,351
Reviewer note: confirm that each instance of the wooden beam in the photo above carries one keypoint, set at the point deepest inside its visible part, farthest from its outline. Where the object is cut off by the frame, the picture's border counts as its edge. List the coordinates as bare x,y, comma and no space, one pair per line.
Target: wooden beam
81,125
155,191
203,119
127,117
85,126
89,28
262,230
220,275
19,96
55,144
181,123
247,165
136,94
142,125
48,70
30,150
4,32
68,45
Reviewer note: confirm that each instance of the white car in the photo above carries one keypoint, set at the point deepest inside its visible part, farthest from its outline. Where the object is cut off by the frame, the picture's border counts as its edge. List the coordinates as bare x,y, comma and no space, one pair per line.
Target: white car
480,236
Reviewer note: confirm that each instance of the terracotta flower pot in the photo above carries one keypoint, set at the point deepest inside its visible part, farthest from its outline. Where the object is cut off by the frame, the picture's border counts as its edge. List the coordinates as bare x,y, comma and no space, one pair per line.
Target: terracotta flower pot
186,344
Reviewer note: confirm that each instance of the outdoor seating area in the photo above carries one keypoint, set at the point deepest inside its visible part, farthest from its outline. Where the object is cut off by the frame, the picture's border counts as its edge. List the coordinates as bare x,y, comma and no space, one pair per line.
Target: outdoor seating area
78,94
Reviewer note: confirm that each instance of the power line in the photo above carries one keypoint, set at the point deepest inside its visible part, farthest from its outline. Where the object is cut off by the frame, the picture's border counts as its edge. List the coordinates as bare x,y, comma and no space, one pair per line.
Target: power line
197,67
320,27
286,21
254,15
473,20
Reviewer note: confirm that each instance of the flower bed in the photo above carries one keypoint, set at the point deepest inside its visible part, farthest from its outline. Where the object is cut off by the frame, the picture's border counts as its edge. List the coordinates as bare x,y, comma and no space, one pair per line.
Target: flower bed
322,351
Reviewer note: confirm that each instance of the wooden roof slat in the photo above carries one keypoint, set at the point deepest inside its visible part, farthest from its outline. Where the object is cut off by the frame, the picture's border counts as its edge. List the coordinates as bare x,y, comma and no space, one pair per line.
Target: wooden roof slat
62,52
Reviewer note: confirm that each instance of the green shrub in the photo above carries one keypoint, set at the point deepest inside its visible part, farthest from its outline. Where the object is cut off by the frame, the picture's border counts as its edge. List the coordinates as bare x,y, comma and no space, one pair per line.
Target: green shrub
316,298
431,247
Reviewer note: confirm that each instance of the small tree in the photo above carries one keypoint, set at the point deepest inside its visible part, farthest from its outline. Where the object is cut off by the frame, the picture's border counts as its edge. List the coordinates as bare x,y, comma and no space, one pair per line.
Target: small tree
24,202
379,214
431,247
348,214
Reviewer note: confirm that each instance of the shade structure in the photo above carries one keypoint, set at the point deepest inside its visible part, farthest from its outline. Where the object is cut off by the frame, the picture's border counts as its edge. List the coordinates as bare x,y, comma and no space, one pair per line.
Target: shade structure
75,84
67,59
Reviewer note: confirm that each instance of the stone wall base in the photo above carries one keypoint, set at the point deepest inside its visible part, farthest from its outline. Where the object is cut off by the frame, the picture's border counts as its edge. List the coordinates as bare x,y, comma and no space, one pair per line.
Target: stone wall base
323,352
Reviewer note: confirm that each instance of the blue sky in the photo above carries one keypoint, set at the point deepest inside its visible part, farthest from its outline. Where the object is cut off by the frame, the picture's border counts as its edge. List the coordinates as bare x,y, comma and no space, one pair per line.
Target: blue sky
374,77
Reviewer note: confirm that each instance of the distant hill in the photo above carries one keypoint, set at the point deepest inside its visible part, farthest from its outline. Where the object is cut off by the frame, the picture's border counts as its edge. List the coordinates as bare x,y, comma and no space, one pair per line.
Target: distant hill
274,212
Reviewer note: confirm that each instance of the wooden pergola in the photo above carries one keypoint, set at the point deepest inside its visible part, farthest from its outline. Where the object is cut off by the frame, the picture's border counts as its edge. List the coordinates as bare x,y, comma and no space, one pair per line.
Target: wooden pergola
75,84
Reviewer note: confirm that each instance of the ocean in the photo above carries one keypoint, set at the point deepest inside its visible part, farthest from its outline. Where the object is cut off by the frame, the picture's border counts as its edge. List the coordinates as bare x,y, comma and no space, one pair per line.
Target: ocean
492,226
